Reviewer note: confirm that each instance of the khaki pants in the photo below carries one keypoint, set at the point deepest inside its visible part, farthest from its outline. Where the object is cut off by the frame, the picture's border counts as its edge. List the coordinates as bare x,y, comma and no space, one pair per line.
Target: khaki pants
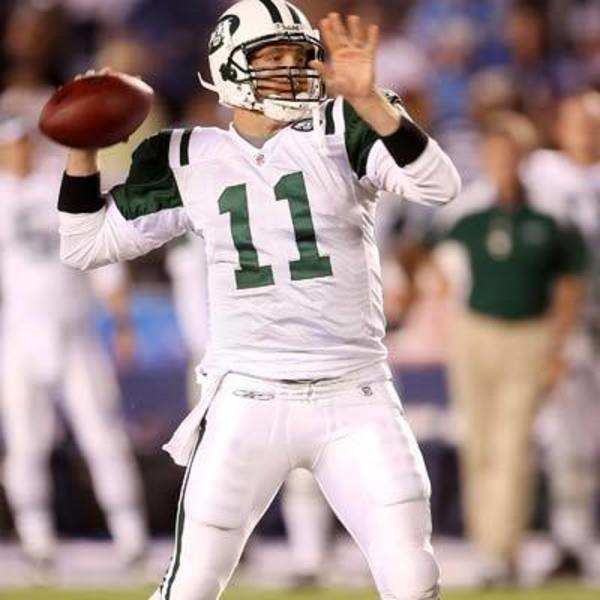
497,371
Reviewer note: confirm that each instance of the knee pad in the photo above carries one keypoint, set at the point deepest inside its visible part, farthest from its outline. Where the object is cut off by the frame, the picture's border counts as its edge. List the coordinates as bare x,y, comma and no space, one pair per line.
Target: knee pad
413,576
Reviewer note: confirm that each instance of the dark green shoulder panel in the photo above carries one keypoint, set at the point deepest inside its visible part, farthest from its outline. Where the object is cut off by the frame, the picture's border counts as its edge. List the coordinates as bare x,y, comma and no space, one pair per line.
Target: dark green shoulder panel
359,139
150,186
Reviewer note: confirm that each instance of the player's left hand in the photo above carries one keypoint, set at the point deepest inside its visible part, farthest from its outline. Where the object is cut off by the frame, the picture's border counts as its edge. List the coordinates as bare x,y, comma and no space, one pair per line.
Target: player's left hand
350,71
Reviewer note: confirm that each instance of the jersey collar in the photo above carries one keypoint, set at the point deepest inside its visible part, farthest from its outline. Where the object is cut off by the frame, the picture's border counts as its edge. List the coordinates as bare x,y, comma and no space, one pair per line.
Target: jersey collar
266,148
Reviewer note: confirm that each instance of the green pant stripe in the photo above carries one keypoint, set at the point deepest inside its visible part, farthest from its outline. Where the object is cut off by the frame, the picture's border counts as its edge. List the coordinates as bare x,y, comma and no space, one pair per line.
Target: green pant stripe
170,579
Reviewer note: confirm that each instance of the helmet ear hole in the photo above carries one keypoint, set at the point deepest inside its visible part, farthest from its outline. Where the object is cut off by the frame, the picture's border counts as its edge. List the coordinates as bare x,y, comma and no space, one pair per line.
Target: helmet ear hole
228,73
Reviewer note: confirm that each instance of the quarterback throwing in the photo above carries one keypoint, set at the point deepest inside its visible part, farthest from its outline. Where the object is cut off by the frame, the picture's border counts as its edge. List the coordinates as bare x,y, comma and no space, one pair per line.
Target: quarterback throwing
295,372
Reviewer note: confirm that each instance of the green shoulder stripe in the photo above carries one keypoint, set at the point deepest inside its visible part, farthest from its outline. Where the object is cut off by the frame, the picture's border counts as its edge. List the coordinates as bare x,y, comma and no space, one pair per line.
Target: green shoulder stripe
184,148
359,139
150,186
329,122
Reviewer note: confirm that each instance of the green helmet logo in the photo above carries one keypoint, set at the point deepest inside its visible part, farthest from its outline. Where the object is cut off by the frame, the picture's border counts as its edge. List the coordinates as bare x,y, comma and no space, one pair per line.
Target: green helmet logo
217,39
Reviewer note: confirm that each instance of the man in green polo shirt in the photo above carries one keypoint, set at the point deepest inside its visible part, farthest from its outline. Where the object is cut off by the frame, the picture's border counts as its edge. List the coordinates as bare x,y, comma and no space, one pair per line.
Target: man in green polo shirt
515,256
526,283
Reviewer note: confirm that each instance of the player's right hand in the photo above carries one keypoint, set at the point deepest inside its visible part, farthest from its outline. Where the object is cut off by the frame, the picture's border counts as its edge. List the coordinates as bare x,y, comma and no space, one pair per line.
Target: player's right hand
350,70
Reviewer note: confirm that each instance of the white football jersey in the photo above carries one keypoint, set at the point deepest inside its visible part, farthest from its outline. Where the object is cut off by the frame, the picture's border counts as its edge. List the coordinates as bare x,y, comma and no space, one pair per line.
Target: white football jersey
293,269
570,192
36,286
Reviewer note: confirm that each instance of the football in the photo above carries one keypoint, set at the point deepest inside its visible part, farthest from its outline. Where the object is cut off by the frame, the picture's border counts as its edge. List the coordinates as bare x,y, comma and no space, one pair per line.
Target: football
96,111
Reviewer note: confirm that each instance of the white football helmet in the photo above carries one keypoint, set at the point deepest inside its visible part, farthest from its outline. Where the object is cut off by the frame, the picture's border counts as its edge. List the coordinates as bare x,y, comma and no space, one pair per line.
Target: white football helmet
247,26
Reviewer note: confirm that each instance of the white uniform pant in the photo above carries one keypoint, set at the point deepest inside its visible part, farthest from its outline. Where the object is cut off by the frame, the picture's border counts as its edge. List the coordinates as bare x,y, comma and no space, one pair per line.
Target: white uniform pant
568,430
351,434
32,367
308,522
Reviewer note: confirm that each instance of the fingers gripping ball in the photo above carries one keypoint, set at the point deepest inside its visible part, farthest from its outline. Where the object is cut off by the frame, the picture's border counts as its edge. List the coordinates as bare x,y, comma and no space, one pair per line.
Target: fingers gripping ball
96,111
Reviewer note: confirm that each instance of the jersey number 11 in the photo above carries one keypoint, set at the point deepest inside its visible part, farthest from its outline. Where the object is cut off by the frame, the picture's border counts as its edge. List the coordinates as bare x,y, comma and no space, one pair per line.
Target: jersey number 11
311,264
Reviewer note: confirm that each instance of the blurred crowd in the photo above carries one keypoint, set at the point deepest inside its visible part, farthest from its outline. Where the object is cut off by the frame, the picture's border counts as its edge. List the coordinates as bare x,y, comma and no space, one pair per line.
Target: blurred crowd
511,90
453,61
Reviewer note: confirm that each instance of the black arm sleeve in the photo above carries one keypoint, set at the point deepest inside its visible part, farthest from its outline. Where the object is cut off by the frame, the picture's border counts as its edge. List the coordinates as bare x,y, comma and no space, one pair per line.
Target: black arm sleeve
407,143
80,194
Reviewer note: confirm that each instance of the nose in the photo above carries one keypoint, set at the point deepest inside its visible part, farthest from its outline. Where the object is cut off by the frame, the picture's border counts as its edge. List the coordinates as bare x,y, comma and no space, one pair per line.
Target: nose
290,59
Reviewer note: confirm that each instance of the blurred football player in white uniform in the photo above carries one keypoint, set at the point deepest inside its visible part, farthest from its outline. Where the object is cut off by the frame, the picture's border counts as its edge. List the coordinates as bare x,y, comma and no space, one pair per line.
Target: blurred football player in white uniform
49,347
295,369
566,183
186,265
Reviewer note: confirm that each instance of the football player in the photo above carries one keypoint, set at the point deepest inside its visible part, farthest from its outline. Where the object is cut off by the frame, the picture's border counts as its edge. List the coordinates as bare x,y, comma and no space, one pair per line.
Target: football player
566,183
295,372
49,347
186,265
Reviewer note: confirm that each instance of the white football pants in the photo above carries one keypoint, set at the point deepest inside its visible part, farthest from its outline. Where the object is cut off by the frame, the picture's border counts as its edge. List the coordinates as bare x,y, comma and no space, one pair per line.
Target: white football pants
568,431
32,366
351,434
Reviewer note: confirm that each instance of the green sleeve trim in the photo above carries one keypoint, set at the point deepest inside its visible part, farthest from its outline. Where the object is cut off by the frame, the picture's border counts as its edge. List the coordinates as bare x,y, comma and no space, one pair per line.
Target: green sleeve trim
359,138
150,186
329,122
184,149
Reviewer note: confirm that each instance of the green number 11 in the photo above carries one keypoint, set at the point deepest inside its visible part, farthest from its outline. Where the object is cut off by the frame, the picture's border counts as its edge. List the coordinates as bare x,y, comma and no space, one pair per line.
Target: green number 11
310,265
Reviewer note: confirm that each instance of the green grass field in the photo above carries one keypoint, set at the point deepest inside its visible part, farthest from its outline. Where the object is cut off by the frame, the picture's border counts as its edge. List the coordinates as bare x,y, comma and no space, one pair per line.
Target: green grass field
566,592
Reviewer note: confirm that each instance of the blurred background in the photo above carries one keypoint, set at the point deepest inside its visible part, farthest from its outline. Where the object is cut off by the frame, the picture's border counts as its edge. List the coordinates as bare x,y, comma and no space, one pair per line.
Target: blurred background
511,91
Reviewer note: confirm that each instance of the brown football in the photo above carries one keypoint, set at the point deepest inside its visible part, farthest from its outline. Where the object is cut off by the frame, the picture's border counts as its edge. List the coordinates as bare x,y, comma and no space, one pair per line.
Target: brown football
96,111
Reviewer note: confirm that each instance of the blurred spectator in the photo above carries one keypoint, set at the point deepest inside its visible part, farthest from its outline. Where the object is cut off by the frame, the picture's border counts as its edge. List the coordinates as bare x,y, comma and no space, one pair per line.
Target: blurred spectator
111,12
35,43
581,68
534,62
317,9
451,55
490,90
459,37
422,338
418,347
525,288
178,34
566,183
